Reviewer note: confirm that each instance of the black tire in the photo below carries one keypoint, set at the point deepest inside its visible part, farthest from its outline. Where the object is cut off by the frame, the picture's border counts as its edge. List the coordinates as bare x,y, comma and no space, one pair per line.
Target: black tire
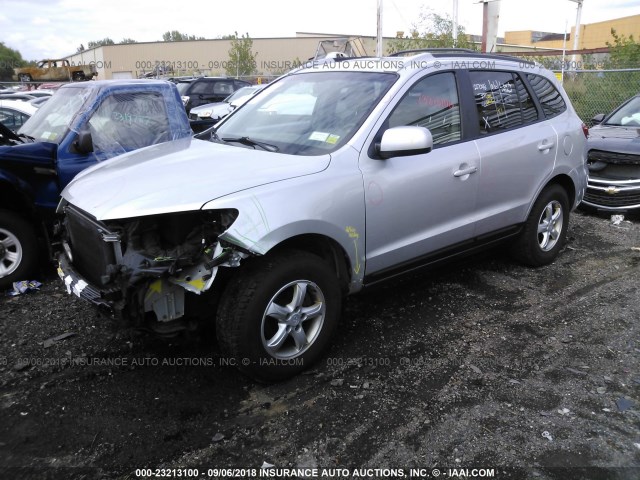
243,329
537,249
17,239
78,76
24,77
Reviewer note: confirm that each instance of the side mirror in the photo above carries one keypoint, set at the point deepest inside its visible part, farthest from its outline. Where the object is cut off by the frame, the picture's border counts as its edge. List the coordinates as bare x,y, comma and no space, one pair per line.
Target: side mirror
84,143
405,141
598,119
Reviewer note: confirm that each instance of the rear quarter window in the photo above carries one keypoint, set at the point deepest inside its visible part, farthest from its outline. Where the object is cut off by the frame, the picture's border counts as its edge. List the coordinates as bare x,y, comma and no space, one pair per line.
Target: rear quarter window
550,98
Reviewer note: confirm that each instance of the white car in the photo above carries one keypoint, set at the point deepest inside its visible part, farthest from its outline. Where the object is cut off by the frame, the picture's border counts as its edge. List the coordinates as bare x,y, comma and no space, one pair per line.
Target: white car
13,113
206,115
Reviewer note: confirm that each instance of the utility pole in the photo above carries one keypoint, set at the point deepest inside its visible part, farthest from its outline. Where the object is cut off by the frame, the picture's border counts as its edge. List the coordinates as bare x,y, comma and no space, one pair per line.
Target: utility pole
379,35
576,36
490,16
455,23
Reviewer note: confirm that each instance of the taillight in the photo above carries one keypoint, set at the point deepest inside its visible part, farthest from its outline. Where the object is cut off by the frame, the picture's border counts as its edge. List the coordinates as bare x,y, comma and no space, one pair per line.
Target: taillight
585,130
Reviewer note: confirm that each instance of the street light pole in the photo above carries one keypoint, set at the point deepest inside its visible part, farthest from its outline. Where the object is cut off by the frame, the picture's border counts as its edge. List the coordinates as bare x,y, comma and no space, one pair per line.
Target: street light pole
576,36
455,23
379,33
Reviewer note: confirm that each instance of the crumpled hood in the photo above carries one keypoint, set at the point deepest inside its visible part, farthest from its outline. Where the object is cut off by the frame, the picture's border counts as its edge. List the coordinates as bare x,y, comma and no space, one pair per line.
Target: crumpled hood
615,139
181,175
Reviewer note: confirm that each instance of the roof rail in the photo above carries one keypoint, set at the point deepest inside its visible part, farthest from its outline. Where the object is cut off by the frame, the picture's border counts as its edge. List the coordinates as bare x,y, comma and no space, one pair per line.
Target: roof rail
465,52
433,50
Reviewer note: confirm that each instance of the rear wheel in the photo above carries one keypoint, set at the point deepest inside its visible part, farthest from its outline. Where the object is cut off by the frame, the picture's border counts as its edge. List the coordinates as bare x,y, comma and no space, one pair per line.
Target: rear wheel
545,229
18,249
277,315
24,77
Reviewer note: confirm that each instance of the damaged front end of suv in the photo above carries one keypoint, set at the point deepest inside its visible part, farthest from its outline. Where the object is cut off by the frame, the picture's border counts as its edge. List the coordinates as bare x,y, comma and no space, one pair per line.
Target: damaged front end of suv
140,269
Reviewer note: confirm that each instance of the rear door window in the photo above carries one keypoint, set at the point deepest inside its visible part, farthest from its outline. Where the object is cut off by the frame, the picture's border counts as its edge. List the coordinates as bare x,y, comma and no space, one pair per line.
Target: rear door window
502,101
200,88
222,88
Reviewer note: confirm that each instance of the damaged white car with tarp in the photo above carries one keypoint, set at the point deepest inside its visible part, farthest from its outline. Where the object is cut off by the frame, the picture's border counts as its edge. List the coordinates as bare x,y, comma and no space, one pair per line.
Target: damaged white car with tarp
338,175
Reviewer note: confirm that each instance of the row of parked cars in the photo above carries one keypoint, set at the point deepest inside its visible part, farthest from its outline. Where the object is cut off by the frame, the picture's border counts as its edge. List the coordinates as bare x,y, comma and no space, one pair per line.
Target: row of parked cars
325,182
17,106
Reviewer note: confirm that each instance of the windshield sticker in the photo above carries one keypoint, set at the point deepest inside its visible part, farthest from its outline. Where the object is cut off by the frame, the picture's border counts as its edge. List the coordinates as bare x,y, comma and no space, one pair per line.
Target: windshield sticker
333,139
319,136
49,135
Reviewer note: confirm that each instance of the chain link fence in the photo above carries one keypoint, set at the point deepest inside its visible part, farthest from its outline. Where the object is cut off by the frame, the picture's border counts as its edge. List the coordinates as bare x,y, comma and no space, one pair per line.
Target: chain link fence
595,82
600,91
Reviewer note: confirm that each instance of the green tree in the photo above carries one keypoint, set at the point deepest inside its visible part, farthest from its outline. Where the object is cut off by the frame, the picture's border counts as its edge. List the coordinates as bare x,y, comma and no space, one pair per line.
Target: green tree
242,61
176,36
9,59
127,40
100,43
431,31
624,52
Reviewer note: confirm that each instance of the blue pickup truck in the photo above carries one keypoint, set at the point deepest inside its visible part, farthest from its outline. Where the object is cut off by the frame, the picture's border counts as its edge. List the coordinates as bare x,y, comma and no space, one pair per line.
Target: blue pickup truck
83,123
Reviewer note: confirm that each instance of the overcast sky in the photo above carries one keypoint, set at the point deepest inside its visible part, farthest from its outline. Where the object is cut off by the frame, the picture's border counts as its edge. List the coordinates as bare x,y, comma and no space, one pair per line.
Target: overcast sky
55,28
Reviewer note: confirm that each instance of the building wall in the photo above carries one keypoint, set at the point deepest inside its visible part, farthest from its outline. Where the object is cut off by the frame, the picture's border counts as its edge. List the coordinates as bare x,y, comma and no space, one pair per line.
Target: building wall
520,37
274,56
209,57
592,35
595,35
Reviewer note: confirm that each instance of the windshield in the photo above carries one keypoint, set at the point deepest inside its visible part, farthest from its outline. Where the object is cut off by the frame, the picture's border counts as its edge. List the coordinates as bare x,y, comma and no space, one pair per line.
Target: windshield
628,114
52,121
308,113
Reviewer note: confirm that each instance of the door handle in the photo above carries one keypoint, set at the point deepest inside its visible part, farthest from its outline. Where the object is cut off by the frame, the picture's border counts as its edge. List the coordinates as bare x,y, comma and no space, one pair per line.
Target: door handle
546,146
465,171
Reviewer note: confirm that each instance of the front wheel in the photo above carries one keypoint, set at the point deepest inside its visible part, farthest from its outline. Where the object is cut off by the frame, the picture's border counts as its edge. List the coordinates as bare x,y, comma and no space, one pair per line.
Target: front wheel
277,315
545,229
18,249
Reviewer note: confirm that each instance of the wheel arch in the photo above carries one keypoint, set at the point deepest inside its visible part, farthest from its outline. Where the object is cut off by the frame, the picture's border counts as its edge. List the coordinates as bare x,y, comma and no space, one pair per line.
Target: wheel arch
17,200
13,198
567,184
325,248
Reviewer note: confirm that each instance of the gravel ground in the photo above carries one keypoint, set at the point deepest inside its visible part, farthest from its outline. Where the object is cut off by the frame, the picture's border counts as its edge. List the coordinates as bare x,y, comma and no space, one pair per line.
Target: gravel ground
528,373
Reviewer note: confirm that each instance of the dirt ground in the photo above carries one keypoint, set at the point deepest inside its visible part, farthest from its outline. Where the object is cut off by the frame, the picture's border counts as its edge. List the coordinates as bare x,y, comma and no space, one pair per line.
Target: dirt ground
485,365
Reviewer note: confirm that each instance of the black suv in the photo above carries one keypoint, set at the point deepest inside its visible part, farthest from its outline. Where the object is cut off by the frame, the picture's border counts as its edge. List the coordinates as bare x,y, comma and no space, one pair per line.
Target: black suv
199,91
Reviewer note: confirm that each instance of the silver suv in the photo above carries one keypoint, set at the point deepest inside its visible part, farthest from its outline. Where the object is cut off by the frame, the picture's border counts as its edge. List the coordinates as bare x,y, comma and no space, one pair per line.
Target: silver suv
337,176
